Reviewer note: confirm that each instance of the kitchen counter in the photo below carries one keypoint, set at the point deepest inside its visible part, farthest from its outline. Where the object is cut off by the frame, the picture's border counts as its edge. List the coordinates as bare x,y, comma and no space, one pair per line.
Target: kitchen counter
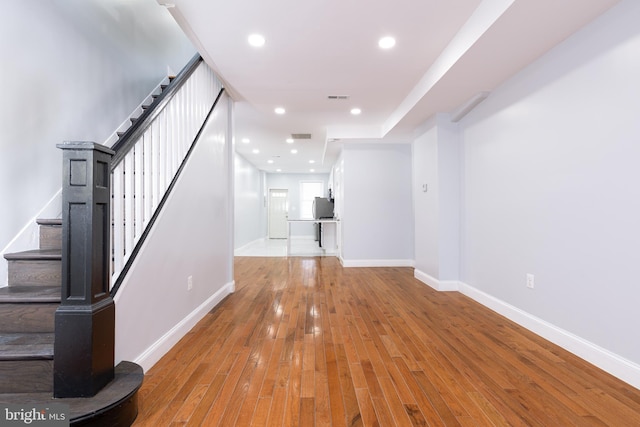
309,221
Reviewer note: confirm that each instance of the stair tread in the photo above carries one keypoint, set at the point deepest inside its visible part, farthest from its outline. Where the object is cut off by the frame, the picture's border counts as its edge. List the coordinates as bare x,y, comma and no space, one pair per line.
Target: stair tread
117,394
30,293
26,346
49,221
35,255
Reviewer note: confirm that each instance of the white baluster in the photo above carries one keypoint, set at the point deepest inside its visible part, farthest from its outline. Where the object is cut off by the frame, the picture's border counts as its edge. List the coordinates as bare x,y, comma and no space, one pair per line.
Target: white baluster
128,202
158,143
148,171
138,188
142,177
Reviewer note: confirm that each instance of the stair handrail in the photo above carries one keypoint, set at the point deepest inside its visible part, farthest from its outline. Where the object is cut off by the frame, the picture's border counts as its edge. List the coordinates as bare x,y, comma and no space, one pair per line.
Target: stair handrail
115,286
187,107
128,139
110,199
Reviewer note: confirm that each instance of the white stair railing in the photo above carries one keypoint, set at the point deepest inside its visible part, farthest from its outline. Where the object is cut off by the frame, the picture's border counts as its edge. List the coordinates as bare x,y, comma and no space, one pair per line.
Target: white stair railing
141,176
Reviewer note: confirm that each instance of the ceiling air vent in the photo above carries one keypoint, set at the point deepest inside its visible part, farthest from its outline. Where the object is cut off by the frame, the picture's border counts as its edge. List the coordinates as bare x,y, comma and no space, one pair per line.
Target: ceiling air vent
338,97
301,135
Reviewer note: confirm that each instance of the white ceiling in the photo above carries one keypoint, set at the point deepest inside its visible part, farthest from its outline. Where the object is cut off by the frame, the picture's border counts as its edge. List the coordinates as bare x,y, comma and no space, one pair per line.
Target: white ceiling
447,52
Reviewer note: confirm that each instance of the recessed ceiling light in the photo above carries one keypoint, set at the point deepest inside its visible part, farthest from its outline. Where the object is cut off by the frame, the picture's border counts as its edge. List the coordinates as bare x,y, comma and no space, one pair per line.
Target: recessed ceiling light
255,151
246,140
386,42
312,170
278,170
312,161
256,40
294,151
289,140
356,111
279,110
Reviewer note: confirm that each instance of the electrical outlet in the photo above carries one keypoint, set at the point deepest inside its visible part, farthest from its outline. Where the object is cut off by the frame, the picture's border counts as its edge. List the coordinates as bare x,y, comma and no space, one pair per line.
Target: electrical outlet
530,281
189,283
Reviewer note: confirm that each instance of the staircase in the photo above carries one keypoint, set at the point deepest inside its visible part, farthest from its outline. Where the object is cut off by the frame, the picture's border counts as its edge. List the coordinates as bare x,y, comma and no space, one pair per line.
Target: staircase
27,322
27,308
42,310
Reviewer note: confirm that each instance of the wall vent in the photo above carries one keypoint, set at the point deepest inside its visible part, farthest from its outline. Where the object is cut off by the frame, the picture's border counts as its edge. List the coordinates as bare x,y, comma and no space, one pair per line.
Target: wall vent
301,135
338,97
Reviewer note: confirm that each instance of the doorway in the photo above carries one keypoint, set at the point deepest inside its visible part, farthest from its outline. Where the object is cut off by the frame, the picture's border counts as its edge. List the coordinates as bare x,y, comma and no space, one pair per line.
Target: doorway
278,213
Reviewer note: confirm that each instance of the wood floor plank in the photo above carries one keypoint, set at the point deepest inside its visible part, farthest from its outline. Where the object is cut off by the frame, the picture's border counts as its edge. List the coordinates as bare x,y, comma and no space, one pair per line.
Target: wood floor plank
304,341
422,399
190,403
351,409
322,404
210,396
249,400
221,404
261,414
336,401
292,409
491,413
395,405
415,415
367,410
380,404
278,405
308,367
271,370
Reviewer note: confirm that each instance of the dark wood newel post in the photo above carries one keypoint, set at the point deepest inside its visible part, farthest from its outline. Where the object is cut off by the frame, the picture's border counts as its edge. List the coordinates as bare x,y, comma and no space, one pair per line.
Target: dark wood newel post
85,321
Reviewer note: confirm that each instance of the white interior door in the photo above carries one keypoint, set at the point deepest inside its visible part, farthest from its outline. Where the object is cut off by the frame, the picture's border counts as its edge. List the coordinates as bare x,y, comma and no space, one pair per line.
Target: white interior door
278,212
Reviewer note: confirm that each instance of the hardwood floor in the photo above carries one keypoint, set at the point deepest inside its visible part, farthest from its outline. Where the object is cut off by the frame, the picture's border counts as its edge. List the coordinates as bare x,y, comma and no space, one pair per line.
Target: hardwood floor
305,342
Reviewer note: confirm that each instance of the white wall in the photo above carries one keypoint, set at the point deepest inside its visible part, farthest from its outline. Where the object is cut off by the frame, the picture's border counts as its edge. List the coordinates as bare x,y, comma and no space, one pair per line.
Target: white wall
71,70
449,157
549,187
377,209
250,203
436,164
426,204
191,237
291,182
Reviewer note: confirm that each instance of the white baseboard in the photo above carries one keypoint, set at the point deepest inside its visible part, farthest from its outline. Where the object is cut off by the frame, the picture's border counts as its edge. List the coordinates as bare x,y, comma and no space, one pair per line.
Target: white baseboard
159,348
612,363
376,262
606,360
245,246
438,285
